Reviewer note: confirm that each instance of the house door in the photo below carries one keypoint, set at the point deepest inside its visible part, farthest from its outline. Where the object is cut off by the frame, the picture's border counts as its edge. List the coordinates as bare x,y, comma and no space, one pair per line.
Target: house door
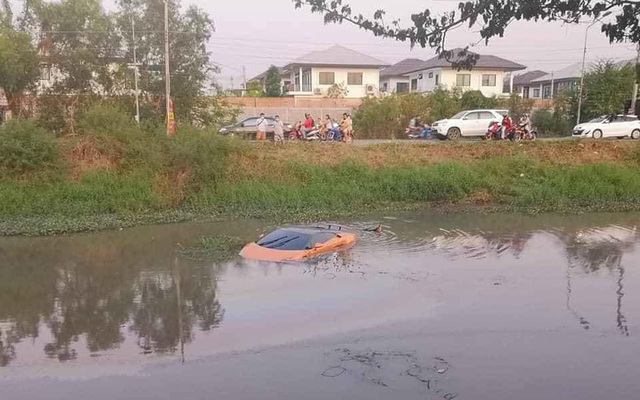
525,92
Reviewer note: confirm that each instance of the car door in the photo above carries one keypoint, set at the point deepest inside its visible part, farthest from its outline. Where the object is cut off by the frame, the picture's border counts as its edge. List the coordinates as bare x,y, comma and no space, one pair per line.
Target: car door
487,119
614,127
248,126
470,125
631,123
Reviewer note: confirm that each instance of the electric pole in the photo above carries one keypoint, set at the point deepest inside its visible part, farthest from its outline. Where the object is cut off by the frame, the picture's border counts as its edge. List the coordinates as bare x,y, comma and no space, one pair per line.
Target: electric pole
167,77
135,68
632,110
244,77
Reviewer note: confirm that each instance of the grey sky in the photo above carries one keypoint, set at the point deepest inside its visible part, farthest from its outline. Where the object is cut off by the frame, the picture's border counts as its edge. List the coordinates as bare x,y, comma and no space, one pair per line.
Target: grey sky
258,33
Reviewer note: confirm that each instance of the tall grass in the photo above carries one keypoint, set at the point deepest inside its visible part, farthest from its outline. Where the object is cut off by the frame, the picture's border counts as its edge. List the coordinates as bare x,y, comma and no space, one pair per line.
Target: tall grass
96,193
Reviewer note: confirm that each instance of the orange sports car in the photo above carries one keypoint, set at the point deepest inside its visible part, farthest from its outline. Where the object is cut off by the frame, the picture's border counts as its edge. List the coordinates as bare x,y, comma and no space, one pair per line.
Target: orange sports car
298,243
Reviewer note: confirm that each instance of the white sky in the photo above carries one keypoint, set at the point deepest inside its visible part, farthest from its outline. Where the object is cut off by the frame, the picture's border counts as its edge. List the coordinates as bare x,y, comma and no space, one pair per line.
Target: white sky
258,33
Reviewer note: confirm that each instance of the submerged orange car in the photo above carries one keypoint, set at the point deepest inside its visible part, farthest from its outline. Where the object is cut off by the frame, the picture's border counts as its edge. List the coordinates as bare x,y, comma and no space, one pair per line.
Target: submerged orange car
298,243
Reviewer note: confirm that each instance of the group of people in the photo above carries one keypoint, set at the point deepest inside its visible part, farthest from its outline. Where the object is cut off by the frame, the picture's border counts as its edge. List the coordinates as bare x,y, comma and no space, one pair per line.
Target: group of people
309,130
327,129
508,125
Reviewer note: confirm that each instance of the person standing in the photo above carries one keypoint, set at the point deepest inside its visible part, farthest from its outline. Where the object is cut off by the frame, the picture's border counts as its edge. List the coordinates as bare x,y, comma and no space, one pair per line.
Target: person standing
261,134
278,131
347,128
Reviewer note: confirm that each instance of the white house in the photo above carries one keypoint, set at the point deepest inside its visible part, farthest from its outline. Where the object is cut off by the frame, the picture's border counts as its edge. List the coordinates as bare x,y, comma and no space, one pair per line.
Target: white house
486,76
393,79
314,73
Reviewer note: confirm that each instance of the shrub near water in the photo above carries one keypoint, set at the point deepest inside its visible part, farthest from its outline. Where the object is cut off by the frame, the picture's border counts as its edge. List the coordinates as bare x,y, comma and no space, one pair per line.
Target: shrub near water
26,148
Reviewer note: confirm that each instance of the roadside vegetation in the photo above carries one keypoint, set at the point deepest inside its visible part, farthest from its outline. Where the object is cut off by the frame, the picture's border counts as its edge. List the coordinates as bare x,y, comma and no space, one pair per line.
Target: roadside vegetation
113,173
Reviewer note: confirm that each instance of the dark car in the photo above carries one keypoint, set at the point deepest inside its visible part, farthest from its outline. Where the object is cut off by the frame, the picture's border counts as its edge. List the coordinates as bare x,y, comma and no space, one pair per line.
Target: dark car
249,126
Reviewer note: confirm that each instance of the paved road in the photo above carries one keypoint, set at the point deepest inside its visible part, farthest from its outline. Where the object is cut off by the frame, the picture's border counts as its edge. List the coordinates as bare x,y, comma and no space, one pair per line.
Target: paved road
366,142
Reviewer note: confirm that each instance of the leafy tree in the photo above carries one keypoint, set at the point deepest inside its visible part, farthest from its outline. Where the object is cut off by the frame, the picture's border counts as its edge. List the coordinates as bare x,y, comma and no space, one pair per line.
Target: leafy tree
77,39
606,88
254,89
19,65
273,82
473,99
492,17
190,62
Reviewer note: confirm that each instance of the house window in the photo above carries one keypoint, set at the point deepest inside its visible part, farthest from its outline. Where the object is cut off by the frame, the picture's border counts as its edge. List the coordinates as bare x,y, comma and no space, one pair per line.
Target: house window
327,78
536,93
525,92
430,75
546,92
402,87
414,85
488,80
437,79
354,78
463,80
385,87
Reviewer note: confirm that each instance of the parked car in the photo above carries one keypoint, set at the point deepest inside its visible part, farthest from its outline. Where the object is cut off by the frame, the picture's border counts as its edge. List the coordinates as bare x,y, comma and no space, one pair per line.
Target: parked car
249,126
470,123
618,126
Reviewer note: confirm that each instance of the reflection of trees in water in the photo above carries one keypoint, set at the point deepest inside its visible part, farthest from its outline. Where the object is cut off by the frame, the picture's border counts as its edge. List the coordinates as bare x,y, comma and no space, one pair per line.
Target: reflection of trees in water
170,305
93,292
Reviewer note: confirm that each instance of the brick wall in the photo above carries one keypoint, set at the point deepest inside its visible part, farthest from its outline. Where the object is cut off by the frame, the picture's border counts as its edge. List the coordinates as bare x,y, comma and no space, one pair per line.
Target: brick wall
293,102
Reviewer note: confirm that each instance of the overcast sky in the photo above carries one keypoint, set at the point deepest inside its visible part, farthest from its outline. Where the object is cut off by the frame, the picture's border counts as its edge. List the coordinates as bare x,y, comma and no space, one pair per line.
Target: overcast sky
258,33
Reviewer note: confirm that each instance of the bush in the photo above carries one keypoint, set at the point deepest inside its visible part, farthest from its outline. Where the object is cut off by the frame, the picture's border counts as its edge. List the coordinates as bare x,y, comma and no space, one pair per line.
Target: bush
27,148
105,118
551,123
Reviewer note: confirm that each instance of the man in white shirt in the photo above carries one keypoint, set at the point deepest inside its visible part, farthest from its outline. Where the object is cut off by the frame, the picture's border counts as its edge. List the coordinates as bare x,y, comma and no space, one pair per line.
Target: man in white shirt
262,128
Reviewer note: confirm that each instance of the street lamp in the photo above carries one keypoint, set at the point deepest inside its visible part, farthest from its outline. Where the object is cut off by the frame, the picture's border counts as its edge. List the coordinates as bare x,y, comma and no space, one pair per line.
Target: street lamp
584,55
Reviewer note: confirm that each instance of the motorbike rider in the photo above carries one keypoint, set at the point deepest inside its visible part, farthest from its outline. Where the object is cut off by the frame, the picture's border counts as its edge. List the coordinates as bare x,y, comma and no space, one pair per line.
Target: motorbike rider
507,125
309,125
525,123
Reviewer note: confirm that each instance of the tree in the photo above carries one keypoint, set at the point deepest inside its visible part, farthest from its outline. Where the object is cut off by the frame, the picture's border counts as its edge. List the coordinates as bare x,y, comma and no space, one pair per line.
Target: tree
273,82
492,17
254,89
190,61
19,64
606,88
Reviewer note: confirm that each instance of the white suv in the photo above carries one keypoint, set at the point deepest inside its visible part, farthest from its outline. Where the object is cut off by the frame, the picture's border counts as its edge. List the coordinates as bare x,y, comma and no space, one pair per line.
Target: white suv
619,126
471,123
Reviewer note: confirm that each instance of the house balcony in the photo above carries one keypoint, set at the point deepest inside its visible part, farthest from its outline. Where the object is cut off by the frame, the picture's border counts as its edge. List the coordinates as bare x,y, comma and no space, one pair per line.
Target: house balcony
299,90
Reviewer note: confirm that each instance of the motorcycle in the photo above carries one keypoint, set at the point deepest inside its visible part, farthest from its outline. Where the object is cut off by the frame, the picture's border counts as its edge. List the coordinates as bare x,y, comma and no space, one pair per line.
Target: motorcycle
418,132
520,133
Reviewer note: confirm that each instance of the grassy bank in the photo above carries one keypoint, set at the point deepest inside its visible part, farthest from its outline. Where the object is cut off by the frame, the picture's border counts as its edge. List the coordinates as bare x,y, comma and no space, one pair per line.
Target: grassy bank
103,180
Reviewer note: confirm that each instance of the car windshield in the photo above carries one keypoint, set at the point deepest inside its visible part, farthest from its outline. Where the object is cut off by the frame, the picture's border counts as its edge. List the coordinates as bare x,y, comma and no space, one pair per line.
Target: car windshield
289,239
599,119
459,115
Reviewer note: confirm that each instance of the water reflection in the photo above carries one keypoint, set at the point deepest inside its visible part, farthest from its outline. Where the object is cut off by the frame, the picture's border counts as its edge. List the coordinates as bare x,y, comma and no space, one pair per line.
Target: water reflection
95,293
597,249
92,295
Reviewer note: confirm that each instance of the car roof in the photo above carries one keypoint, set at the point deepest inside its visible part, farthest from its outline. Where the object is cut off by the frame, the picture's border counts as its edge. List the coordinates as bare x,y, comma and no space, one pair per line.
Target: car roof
308,230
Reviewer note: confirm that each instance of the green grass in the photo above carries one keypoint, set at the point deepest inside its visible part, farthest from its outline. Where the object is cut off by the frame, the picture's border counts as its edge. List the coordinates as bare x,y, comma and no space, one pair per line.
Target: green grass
96,193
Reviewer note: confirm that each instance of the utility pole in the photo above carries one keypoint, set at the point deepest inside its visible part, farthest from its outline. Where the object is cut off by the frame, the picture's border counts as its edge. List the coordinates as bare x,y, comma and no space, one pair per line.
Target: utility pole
244,80
135,68
636,82
167,77
584,56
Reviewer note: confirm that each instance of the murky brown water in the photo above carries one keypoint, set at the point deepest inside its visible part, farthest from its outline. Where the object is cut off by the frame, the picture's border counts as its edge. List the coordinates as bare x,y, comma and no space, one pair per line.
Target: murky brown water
454,306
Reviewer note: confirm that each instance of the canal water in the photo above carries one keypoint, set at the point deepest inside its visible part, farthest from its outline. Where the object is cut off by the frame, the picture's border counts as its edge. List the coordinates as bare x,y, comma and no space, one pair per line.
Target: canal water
435,306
